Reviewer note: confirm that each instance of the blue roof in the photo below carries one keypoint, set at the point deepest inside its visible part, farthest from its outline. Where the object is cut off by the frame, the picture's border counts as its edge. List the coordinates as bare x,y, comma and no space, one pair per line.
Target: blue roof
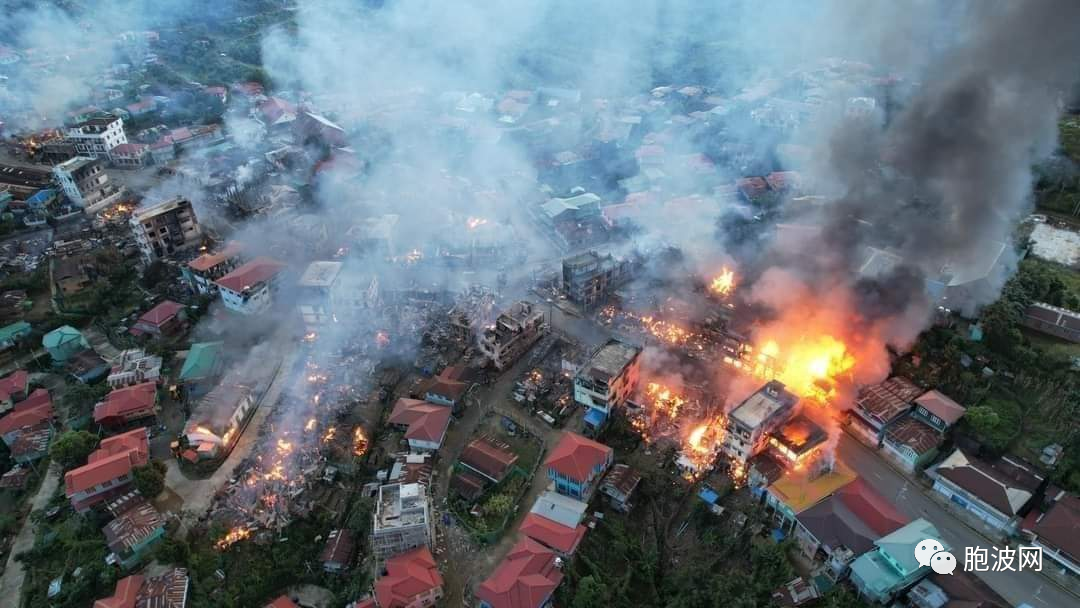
708,494
41,196
595,417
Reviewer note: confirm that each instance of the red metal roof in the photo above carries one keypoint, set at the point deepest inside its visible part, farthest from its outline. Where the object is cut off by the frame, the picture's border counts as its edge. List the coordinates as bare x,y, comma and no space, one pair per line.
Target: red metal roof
1059,528
426,421
339,547
524,579
913,433
127,592
561,538
161,314
38,397
14,382
942,407
575,457
113,459
282,602
129,148
407,576
255,272
207,261
26,417
450,389
127,403
487,458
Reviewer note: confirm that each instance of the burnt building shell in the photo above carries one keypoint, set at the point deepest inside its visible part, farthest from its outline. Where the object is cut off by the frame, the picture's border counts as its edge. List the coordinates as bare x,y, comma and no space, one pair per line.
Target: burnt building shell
513,333
590,278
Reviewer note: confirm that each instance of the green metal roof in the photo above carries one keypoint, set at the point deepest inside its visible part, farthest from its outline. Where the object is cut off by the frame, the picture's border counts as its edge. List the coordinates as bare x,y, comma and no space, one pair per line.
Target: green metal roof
9,332
201,359
900,545
60,335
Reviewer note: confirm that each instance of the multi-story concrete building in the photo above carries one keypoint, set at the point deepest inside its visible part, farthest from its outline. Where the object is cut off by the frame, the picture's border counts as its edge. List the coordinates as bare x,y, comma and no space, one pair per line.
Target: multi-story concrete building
165,228
209,267
608,380
250,289
332,290
589,278
402,520
86,183
514,332
97,135
749,424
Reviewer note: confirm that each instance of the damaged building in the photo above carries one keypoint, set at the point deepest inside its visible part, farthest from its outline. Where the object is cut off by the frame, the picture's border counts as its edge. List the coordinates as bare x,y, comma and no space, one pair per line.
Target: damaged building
590,278
329,291
514,332
216,421
165,228
402,520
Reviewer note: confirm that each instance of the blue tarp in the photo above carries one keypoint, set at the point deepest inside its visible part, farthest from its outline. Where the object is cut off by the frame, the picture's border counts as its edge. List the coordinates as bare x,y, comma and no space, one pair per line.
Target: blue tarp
594,418
708,495
778,534
40,198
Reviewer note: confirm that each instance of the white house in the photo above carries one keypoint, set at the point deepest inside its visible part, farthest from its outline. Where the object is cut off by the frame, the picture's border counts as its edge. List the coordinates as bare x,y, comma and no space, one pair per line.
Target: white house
250,288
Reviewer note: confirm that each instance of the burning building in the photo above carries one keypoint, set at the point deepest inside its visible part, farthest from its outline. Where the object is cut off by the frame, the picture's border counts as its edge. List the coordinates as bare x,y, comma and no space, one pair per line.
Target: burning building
607,380
798,440
514,332
590,278
215,423
752,421
402,520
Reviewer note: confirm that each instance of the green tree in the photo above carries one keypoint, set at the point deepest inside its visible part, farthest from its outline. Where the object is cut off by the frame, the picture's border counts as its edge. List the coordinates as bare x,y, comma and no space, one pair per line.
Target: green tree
591,593
149,479
498,505
72,448
80,398
983,419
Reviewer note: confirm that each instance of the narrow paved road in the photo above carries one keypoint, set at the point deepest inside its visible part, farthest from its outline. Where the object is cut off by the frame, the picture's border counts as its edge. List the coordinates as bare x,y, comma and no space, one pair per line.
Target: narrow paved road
12,581
909,499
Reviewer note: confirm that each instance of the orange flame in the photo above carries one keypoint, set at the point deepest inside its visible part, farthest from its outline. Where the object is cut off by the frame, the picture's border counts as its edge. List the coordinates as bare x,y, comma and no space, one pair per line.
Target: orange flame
360,442
724,283
808,367
232,537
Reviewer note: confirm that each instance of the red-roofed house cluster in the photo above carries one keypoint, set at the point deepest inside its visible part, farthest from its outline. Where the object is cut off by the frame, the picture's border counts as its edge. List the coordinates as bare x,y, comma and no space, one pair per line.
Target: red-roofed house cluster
169,590
907,422
108,472
552,530
28,428
424,423
126,406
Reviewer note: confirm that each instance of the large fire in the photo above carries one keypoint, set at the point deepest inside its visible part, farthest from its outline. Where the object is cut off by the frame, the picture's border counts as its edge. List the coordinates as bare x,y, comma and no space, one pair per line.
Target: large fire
696,428
808,366
724,283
